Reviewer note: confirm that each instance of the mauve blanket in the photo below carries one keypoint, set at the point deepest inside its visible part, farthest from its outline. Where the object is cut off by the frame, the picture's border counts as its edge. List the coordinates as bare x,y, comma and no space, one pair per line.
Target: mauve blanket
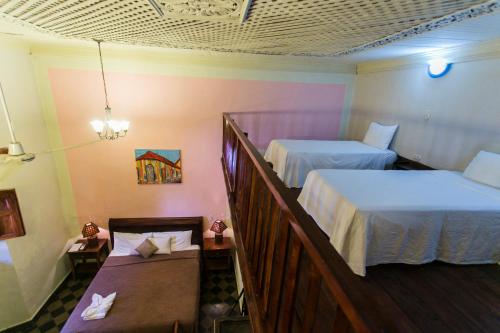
151,294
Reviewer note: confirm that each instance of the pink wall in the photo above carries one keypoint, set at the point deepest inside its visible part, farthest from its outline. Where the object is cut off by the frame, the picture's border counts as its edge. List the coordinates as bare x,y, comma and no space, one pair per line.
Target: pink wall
262,127
165,113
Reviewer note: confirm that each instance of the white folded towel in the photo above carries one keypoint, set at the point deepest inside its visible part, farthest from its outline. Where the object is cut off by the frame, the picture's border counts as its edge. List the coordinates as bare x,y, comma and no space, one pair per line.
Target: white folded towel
99,307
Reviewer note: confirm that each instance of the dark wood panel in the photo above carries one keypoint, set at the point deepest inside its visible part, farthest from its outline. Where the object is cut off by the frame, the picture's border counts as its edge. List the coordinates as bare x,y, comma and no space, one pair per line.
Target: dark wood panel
252,212
270,255
271,307
262,223
311,303
286,311
341,323
158,224
250,295
326,311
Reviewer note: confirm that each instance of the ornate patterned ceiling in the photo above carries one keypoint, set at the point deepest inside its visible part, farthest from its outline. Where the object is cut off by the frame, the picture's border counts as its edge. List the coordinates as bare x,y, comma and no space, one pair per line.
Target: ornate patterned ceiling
285,27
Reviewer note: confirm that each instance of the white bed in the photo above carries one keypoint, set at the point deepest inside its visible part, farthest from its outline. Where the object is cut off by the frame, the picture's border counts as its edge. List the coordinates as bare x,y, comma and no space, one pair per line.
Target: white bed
414,217
293,159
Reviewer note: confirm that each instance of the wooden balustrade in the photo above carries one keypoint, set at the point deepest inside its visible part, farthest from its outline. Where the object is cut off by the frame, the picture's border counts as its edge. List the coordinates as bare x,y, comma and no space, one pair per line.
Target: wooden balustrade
294,279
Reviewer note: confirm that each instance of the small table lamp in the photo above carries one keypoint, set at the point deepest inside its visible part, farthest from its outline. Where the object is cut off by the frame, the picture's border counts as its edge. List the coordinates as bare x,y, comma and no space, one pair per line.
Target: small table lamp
218,227
90,230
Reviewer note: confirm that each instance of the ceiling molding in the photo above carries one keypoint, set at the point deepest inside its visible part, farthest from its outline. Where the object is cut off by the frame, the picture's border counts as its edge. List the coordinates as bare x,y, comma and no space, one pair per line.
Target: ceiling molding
233,11
464,53
197,57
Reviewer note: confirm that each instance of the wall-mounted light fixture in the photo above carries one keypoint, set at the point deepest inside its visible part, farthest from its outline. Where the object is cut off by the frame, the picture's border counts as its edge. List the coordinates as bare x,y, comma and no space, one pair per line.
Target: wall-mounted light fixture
438,68
15,150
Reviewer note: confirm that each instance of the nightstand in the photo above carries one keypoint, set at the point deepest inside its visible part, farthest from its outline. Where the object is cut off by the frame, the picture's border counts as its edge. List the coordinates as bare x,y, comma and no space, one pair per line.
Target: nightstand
217,256
79,259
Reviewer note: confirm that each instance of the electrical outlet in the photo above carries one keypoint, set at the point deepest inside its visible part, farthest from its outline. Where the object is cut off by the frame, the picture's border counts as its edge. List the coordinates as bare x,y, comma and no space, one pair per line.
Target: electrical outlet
417,157
427,117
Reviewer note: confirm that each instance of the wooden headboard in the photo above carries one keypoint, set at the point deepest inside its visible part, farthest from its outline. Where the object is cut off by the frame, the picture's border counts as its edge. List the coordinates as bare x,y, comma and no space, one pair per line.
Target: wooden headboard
159,224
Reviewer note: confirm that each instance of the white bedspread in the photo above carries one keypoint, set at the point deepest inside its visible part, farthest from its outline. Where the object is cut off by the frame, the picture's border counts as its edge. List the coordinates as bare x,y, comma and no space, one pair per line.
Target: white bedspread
293,159
413,217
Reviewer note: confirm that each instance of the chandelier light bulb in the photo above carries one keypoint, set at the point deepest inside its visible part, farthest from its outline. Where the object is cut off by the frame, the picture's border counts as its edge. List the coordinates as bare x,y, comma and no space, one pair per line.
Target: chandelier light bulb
97,125
125,125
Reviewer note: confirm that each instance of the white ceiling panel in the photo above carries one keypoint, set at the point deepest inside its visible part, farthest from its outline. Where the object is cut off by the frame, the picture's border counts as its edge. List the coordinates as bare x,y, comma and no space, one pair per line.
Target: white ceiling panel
348,30
475,30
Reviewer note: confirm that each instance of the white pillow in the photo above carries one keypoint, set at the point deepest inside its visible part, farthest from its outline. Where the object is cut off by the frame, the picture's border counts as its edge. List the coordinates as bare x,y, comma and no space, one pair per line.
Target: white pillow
180,240
484,168
125,243
163,244
379,136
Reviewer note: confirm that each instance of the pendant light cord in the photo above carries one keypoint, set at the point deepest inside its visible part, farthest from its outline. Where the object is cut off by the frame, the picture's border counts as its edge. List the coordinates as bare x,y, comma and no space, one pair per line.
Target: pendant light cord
102,72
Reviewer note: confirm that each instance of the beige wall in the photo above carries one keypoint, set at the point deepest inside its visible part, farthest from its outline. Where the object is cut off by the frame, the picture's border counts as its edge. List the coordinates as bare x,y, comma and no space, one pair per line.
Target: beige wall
464,110
31,266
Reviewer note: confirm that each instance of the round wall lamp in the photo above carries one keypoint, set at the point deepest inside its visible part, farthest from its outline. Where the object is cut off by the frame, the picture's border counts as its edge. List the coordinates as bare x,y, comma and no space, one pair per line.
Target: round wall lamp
438,68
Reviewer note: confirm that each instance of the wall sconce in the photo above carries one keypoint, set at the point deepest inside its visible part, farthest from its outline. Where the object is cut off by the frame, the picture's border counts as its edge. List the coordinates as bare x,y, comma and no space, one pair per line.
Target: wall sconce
438,68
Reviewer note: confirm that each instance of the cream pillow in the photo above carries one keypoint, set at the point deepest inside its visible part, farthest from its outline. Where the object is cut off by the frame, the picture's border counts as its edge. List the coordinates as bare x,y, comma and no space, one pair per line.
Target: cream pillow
180,240
379,136
163,244
125,243
485,169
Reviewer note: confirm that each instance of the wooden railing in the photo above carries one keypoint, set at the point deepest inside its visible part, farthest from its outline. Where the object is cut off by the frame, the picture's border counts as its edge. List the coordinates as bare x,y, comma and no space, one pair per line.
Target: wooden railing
294,279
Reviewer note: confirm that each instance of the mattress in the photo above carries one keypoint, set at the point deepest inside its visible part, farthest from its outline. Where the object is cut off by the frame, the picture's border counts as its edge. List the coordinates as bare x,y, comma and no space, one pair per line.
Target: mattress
293,159
414,217
151,294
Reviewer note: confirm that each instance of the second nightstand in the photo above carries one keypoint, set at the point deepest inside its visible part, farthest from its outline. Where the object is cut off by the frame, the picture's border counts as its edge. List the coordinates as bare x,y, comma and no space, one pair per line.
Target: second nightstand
217,256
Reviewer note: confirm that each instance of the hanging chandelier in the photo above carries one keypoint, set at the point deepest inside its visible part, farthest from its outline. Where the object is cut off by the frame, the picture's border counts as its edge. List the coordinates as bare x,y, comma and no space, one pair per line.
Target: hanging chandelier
108,129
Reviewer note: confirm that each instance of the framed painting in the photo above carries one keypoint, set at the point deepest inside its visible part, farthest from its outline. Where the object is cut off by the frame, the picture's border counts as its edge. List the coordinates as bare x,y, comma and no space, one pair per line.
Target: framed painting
158,166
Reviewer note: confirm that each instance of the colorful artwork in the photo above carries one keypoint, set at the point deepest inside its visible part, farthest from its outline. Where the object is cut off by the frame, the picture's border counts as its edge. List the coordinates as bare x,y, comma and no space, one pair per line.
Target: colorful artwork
158,166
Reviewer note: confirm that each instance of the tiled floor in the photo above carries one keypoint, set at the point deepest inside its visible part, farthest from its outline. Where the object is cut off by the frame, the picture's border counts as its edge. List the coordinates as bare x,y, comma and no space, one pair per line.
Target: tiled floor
218,294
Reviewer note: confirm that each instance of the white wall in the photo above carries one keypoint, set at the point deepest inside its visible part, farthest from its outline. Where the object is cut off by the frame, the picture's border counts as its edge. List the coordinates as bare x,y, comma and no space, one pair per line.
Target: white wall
31,266
464,107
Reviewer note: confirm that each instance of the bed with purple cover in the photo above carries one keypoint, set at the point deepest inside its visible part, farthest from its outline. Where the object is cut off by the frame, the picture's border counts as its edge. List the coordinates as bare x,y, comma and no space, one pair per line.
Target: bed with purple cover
152,293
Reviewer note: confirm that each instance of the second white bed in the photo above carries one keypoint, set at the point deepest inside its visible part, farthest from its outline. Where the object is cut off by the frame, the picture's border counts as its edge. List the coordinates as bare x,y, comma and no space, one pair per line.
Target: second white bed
414,217
293,159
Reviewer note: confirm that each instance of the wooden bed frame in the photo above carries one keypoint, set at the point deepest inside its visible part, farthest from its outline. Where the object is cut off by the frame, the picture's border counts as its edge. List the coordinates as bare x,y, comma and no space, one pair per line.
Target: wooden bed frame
141,225
295,281
159,224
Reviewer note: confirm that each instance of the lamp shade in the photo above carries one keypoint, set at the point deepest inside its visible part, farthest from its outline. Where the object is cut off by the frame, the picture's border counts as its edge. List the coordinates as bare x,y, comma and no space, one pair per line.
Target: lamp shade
218,227
90,229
